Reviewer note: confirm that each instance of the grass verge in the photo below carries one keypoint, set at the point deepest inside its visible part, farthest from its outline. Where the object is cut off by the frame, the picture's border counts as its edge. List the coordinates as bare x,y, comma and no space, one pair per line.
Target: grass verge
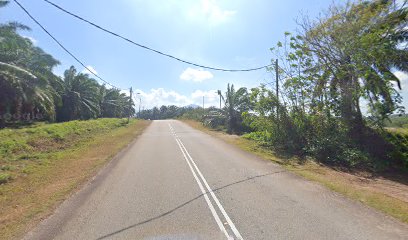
41,166
389,197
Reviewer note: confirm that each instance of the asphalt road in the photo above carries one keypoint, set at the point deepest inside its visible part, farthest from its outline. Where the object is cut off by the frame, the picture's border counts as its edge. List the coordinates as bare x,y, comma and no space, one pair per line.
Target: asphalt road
175,182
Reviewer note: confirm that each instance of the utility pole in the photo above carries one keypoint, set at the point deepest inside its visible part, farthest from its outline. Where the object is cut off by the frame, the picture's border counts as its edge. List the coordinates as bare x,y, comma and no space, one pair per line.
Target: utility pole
203,102
140,102
219,93
130,104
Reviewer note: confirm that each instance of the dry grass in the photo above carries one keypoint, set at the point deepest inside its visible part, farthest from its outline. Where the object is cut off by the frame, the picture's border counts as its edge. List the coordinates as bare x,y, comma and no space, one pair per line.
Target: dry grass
34,195
385,195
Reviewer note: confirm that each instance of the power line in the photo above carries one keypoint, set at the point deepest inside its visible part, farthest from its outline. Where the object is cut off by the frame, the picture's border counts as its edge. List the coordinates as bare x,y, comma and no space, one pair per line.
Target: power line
151,49
62,46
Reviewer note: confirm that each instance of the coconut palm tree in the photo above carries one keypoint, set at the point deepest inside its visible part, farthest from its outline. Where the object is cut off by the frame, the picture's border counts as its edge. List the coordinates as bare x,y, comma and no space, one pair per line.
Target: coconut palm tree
80,97
236,102
25,75
115,104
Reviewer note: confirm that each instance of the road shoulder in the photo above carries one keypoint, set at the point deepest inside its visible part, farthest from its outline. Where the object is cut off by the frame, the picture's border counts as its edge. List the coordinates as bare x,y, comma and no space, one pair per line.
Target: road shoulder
35,197
378,192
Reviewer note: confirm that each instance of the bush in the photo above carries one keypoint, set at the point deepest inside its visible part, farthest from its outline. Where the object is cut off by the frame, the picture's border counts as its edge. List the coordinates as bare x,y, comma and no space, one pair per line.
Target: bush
399,153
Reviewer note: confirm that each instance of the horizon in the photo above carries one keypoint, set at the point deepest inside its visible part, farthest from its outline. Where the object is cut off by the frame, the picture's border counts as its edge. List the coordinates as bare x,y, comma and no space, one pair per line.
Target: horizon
224,34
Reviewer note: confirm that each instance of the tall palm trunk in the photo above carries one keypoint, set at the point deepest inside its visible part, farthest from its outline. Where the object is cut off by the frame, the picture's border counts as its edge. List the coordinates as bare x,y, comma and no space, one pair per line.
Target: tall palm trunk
350,107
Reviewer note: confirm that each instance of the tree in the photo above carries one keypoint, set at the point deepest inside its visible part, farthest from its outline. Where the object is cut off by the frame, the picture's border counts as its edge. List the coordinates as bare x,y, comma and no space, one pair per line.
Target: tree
155,113
28,86
4,3
357,47
163,112
236,102
26,77
115,104
80,97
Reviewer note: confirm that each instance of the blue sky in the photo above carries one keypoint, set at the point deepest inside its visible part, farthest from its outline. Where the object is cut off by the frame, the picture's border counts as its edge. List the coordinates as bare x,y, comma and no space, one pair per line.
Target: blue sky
226,34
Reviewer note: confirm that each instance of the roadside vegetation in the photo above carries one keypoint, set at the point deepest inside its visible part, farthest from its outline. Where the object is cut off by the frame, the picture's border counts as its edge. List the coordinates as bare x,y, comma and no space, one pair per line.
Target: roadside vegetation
385,191
31,92
314,123
397,121
42,164
333,65
326,72
56,132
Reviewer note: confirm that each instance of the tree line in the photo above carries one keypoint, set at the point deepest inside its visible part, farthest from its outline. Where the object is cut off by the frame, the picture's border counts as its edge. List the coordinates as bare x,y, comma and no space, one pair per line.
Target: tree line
29,90
329,69
337,88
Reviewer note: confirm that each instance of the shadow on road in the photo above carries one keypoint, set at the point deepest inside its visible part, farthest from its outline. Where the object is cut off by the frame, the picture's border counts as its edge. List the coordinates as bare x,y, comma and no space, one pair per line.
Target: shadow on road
183,204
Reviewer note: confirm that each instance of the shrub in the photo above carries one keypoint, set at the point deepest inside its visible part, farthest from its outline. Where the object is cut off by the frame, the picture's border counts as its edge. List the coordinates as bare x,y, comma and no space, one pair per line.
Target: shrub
399,153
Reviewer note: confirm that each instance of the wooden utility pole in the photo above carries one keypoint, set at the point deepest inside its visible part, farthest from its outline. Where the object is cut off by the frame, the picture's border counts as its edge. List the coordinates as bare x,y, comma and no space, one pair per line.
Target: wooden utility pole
130,104
140,103
203,102
219,93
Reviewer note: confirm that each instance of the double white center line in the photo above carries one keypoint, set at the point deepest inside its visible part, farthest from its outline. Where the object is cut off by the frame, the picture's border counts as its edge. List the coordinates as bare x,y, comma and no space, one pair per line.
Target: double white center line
200,181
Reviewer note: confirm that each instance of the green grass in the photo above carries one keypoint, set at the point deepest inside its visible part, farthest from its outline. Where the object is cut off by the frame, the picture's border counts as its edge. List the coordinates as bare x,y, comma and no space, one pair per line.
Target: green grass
397,121
20,148
398,130
42,164
17,144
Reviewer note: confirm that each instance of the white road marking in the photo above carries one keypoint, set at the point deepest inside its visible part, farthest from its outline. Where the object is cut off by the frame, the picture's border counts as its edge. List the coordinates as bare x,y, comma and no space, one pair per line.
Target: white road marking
221,208
210,205
229,221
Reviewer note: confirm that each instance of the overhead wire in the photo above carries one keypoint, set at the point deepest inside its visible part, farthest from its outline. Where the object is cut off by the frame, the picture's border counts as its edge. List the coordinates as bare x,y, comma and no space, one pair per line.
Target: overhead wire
152,49
62,46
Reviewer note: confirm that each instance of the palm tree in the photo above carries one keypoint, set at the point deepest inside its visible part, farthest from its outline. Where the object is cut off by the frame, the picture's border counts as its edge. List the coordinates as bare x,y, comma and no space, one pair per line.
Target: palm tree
80,97
236,102
25,75
358,48
115,104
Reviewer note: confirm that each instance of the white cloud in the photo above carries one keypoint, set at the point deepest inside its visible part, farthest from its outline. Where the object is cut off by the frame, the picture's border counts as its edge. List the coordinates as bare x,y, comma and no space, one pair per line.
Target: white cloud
125,91
211,98
33,40
210,12
90,71
403,77
203,12
214,13
195,75
160,96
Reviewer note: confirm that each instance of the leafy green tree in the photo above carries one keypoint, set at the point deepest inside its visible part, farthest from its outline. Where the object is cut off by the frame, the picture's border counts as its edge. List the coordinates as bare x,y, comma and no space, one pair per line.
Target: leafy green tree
155,113
357,47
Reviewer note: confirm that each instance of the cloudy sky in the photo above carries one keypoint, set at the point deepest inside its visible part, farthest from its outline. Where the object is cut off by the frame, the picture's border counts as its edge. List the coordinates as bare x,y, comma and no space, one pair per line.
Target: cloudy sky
225,34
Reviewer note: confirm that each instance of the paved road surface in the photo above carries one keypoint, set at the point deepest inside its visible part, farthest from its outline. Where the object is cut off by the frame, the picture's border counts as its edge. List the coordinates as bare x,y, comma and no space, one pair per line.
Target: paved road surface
176,182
